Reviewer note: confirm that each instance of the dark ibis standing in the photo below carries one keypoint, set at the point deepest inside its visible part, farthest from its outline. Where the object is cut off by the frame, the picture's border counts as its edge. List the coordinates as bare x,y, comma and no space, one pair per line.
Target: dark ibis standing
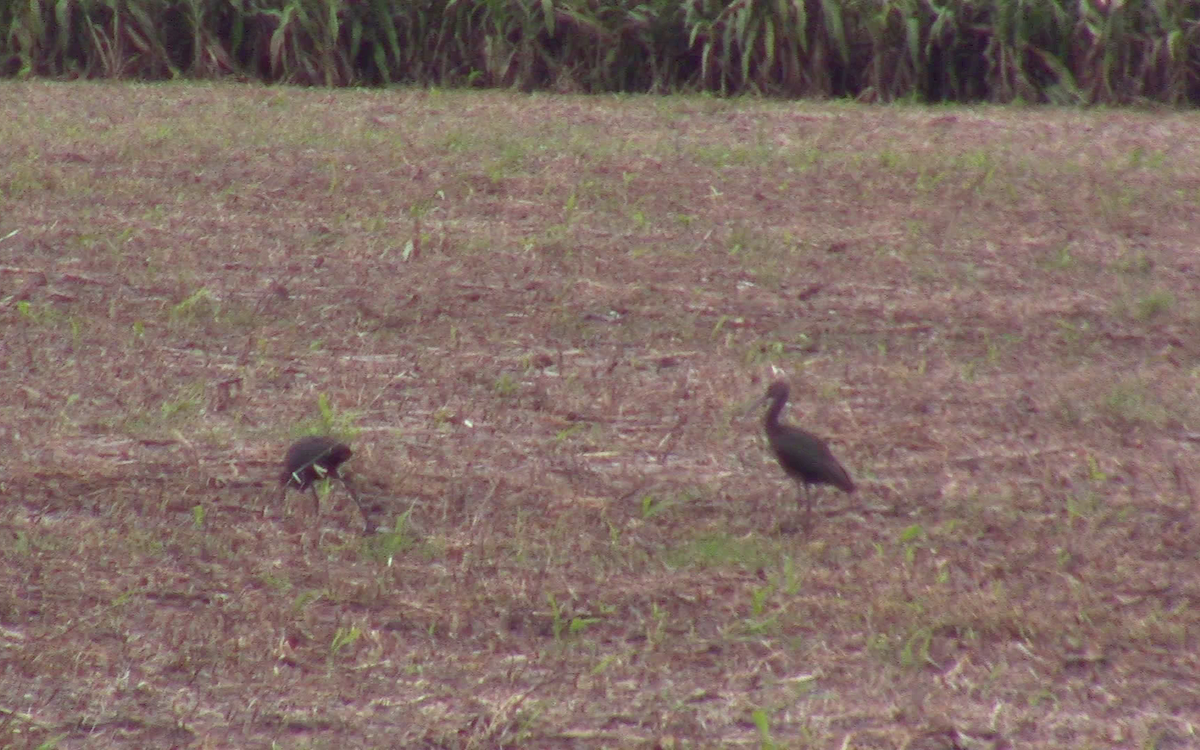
804,456
313,458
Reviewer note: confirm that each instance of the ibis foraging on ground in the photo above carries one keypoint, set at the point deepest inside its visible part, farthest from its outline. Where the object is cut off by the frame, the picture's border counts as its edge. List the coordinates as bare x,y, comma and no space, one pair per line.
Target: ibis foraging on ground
313,458
804,456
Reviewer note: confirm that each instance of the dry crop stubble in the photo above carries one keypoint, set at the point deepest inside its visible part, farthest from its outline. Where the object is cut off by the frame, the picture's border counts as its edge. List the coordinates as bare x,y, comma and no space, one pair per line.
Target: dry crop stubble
550,386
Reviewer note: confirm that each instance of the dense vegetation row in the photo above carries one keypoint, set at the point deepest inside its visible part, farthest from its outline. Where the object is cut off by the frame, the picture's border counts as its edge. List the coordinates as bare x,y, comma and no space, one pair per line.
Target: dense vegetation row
1062,51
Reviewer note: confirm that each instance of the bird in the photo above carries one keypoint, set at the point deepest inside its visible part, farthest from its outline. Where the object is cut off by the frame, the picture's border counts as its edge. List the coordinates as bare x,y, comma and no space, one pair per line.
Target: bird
804,456
313,458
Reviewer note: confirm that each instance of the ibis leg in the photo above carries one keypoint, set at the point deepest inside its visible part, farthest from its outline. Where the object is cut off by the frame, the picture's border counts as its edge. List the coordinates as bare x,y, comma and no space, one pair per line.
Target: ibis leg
807,507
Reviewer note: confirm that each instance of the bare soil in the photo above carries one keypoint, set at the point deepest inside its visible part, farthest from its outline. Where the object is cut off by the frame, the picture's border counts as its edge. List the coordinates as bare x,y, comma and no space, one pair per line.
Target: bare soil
539,321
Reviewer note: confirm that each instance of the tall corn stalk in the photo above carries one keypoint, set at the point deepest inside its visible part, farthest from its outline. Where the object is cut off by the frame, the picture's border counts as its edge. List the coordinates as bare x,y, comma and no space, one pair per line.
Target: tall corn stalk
880,50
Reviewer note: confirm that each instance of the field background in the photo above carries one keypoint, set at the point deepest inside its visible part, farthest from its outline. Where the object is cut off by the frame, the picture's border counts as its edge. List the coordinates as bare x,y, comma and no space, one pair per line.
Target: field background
540,321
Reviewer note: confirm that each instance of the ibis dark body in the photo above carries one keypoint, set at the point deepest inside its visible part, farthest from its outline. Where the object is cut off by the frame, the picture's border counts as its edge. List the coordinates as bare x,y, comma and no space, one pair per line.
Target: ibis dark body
804,456
312,458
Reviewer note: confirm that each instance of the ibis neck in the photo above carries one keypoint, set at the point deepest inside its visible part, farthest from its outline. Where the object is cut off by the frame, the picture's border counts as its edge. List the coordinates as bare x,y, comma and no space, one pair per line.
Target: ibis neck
775,410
